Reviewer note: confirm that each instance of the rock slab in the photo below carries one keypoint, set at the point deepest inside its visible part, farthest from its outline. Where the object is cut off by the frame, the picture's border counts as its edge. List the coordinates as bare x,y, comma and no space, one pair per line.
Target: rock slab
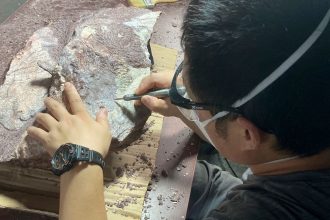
104,54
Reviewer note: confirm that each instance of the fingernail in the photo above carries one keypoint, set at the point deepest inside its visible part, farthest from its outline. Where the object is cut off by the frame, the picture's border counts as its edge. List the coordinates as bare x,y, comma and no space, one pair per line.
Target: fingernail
146,99
47,99
67,85
137,103
104,110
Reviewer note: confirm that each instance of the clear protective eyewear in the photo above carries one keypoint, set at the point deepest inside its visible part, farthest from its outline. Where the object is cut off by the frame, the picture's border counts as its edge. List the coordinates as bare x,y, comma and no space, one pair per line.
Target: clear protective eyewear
188,108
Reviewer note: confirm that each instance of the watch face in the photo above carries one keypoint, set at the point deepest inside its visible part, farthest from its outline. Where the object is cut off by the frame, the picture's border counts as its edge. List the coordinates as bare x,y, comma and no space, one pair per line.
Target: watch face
62,158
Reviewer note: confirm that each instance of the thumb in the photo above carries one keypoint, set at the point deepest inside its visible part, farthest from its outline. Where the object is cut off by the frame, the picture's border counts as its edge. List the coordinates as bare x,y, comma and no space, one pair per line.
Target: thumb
155,104
102,117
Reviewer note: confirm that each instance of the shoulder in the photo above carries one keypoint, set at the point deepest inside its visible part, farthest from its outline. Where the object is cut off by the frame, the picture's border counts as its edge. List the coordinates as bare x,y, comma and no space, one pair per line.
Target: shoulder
277,197
240,210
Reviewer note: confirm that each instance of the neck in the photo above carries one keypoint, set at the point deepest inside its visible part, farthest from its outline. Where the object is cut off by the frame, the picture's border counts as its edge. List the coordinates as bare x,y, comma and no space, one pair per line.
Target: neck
316,162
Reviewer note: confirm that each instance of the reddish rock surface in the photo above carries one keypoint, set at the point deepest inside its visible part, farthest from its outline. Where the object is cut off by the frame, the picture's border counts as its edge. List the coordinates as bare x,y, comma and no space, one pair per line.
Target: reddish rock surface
104,54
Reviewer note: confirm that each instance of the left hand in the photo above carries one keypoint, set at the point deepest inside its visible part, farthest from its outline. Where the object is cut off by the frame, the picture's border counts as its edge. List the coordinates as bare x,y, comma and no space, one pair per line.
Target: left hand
71,124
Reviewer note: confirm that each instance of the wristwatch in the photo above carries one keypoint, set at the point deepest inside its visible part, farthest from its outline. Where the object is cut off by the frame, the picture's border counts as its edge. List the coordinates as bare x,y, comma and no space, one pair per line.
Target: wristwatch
70,154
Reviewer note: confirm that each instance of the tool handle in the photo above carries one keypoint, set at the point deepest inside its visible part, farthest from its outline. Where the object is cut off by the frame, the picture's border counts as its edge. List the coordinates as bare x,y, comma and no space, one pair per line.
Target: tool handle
162,93
159,94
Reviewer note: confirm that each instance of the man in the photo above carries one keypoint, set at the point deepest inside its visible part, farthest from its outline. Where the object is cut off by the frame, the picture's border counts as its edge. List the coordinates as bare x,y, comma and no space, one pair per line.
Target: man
258,90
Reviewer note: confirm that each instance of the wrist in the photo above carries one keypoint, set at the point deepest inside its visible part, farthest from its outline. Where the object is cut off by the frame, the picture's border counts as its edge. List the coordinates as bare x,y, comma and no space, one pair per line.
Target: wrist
79,188
82,169
69,155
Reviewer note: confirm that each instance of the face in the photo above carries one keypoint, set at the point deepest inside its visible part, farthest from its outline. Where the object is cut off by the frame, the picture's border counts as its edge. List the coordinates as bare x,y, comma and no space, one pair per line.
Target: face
232,145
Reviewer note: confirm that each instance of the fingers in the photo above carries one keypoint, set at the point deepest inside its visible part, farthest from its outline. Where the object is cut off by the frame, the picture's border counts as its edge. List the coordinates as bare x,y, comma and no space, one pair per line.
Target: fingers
102,117
56,109
66,103
46,121
38,134
155,104
156,80
76,105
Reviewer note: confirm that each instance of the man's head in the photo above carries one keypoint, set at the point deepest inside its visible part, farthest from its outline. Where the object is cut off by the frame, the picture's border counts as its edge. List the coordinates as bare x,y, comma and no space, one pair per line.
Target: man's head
231,46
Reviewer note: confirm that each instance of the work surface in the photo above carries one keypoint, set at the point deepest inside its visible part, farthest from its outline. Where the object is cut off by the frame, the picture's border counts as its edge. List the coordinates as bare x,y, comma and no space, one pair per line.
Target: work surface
169,191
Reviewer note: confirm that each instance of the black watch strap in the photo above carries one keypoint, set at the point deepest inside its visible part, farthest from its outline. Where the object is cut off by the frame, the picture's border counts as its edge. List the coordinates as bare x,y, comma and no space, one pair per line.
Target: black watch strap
87,155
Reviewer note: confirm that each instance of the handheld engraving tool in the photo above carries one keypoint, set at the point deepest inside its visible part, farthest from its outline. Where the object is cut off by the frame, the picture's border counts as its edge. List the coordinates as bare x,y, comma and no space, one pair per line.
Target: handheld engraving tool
162,93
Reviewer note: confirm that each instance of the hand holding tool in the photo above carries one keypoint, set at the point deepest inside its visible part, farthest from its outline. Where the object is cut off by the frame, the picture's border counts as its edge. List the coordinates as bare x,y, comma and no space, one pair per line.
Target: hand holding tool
162,93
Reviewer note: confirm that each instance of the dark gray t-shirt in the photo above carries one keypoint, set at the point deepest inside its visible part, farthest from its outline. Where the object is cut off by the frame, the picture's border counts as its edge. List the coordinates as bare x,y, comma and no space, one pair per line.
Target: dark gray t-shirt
301,195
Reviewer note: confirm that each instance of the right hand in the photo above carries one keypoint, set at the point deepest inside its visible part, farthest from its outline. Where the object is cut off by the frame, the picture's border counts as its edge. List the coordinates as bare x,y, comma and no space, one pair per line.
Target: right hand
159,80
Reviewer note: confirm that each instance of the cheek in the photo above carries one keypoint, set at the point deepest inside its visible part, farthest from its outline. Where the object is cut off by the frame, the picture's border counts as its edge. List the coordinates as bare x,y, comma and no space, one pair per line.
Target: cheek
203,116
219,141
227,146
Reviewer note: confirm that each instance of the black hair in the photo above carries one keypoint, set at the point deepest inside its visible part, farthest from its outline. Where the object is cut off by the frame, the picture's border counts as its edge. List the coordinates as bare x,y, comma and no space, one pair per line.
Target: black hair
232,45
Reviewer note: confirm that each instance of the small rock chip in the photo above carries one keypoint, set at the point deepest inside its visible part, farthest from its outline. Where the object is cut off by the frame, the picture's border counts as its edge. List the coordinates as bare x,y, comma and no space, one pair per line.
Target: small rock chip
160,199
119,172
164,173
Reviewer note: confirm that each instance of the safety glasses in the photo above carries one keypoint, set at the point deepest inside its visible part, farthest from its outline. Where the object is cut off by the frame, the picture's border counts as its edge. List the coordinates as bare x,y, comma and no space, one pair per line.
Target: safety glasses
182,100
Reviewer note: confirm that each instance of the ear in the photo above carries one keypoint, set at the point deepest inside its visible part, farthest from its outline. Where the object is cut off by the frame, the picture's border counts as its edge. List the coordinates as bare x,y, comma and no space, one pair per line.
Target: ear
251,133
